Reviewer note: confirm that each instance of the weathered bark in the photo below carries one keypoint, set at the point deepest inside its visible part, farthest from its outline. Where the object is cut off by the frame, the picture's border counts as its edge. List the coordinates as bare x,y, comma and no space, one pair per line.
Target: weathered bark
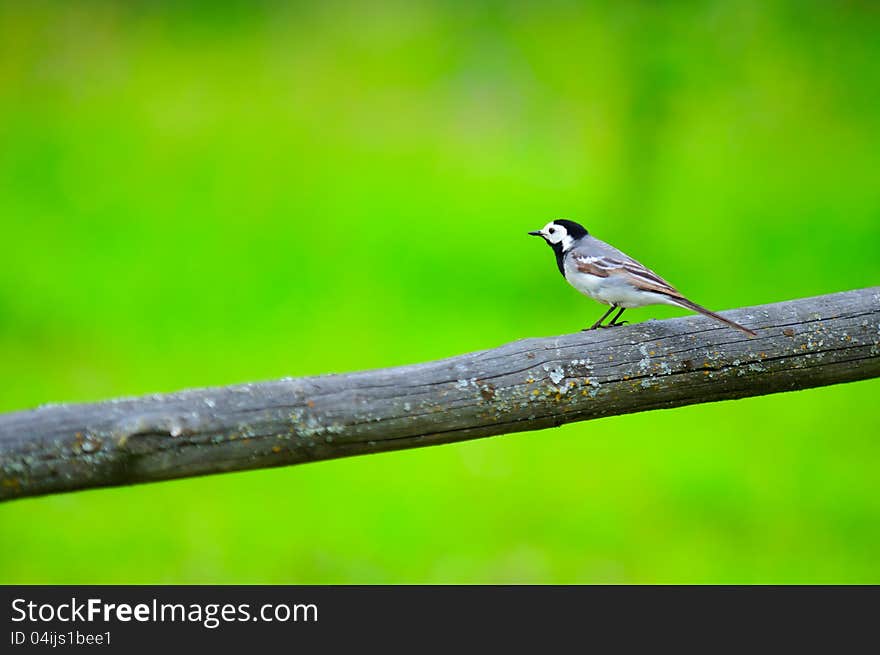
525,385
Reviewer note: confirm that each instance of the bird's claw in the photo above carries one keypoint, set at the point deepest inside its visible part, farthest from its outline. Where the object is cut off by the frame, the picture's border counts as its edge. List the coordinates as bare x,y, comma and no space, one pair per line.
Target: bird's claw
603,327
597,326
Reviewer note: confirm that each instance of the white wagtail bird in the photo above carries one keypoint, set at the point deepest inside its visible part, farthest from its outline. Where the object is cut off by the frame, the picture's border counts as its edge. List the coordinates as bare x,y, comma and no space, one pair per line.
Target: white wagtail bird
610,277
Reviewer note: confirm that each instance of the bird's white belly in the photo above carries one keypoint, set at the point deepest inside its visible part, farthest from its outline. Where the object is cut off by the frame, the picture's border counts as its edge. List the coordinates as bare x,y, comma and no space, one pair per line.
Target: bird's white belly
613,290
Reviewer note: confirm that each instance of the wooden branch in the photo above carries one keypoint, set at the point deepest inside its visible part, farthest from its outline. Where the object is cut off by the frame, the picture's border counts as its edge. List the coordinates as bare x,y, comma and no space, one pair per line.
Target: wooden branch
525,385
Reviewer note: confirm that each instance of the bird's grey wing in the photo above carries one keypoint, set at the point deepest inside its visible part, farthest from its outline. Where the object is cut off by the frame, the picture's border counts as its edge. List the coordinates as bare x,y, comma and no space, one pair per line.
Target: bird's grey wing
598,258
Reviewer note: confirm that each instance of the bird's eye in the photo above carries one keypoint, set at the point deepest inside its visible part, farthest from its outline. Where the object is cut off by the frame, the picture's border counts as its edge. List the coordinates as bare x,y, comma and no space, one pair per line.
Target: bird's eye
552,230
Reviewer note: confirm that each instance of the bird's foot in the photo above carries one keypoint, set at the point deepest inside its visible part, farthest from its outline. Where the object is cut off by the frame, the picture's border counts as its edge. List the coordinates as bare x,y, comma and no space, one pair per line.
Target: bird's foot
604,327
598,326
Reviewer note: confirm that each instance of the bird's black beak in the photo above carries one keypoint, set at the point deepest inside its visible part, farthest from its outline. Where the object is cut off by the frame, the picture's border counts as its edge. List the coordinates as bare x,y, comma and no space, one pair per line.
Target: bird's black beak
536,233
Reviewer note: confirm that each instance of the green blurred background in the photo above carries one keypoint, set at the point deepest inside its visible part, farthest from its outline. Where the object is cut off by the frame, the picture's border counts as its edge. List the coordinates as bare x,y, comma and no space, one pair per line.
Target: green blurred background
198,194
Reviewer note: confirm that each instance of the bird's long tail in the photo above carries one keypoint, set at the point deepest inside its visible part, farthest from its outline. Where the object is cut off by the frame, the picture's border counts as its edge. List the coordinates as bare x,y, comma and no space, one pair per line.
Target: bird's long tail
684,302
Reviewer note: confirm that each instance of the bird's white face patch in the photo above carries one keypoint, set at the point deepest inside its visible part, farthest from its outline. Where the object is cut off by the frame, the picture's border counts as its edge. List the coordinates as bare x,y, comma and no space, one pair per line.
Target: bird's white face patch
554,233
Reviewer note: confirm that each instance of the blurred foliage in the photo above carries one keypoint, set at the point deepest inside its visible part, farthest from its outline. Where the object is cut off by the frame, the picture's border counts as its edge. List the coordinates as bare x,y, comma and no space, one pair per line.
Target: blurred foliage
198,194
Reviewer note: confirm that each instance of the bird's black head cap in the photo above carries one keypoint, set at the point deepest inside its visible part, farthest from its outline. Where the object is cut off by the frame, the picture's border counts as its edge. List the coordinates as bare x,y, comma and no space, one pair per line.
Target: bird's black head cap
575,230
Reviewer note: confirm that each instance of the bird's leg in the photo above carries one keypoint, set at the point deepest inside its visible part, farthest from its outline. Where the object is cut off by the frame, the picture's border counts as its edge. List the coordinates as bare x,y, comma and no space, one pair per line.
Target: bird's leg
616,318
598,323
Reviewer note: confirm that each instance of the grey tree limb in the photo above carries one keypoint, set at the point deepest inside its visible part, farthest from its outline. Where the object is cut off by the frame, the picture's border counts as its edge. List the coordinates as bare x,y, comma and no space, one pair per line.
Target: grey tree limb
525,385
